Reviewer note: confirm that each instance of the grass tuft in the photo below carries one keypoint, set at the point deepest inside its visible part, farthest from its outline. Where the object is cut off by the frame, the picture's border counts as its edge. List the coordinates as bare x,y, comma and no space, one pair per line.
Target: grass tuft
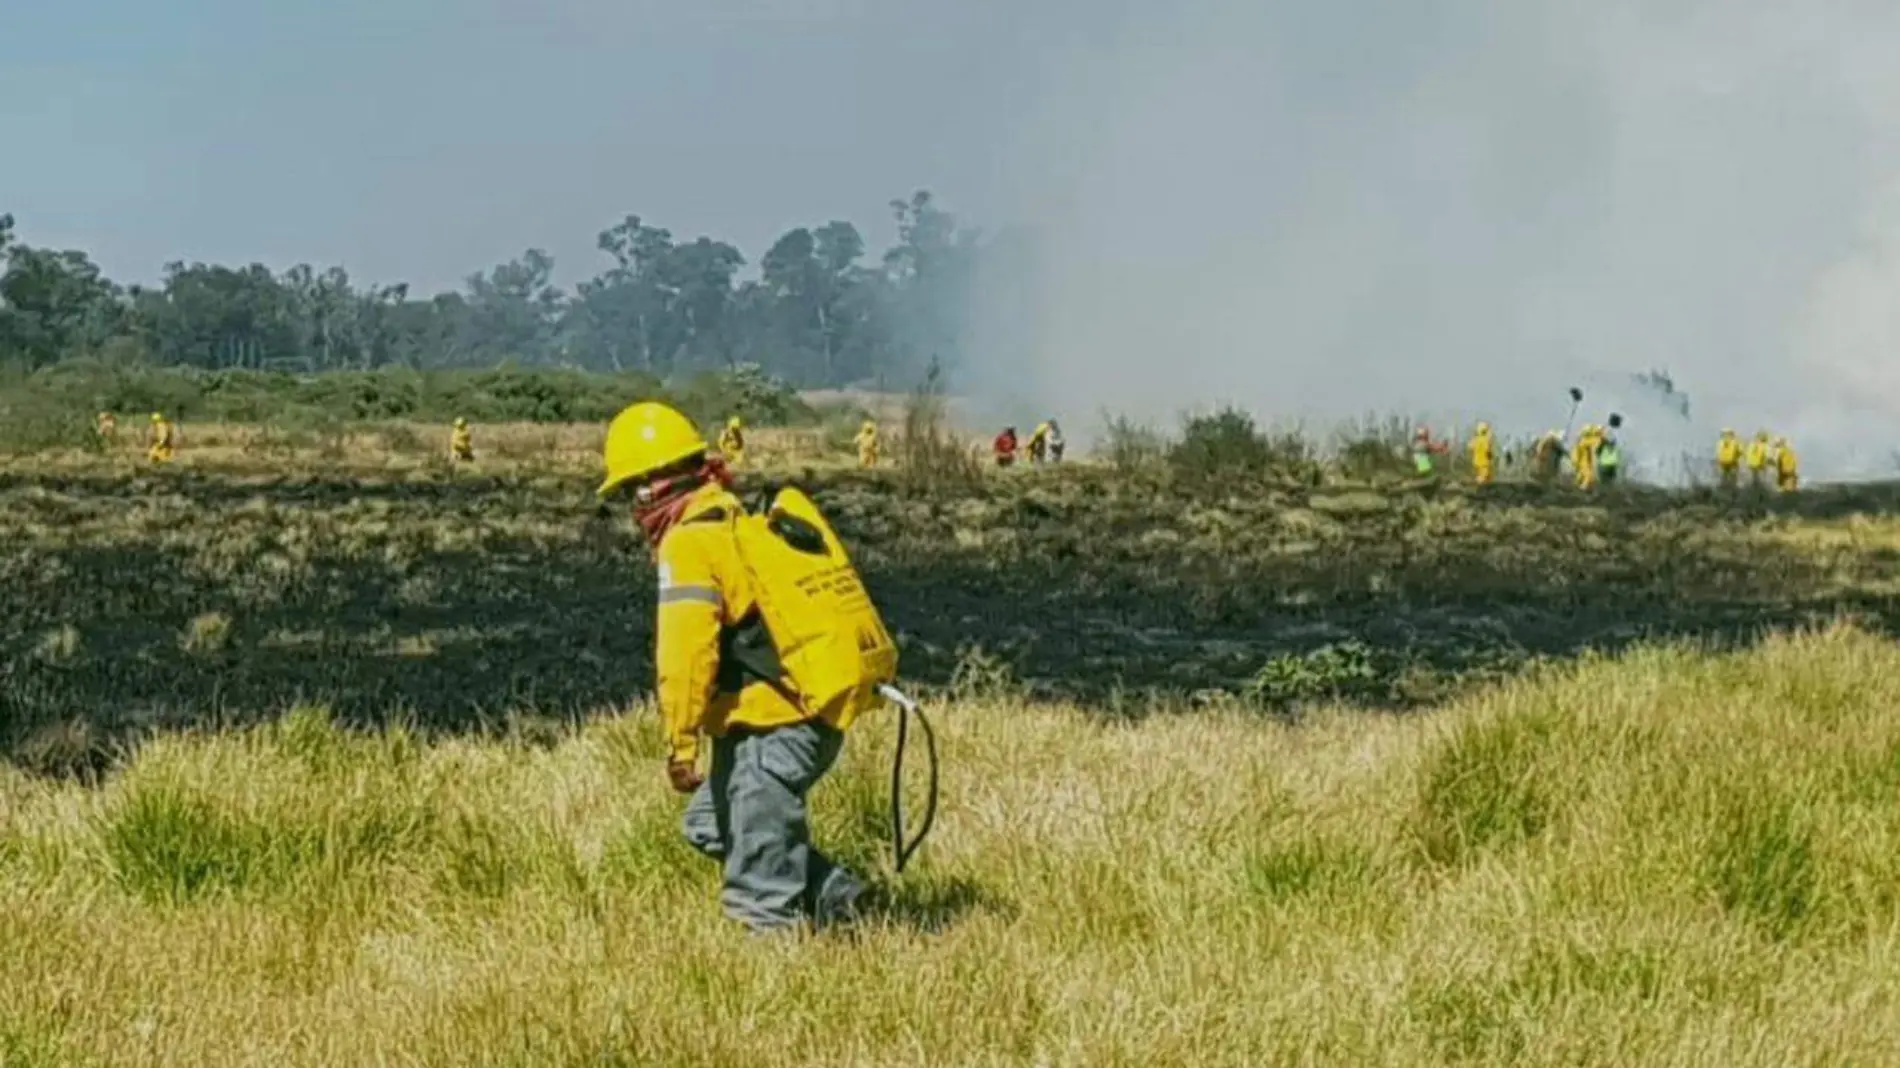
172,846
1761,863
1484,790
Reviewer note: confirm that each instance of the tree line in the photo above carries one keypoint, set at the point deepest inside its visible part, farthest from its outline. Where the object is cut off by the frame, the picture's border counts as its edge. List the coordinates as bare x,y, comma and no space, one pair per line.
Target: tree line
818,313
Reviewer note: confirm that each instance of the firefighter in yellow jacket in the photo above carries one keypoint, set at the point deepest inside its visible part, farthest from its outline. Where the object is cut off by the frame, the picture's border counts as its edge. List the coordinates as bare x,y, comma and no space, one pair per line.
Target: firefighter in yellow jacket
1584,457
1728,458
732,442
1484,454
1758,456
1787,467
164,440
715,663
461,442
866,442
1038,448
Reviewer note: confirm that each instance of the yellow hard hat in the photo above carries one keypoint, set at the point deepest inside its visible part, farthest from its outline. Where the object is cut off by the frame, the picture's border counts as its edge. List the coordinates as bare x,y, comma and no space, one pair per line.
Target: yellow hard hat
733,422
644,438
1484,428
870,424
1761,435
1726,432
157,418
1783,442
459,421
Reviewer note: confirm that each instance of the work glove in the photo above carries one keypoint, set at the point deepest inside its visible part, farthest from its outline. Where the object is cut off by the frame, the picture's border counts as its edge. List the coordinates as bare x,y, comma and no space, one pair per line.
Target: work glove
684,775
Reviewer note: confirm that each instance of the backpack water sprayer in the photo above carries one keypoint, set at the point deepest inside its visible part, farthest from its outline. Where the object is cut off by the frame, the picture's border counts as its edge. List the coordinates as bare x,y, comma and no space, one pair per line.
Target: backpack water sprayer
835,658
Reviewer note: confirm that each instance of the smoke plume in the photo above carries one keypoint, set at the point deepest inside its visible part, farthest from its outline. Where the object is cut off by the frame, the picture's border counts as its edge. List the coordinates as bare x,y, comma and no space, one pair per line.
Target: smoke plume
1457,209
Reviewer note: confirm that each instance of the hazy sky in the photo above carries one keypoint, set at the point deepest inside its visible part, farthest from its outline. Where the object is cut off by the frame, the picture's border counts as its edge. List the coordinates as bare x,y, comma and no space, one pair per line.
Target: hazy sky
424,139
1314,209
1458,208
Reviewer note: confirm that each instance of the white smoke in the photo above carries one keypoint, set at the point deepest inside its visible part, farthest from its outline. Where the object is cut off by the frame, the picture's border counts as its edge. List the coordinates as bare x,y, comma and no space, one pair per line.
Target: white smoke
1460,208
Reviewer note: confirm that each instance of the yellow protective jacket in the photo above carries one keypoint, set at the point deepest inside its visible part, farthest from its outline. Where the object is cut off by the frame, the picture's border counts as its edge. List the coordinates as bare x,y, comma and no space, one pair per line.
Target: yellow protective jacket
1584,456
461,442
1483,451
707,608
1728,451
1757,455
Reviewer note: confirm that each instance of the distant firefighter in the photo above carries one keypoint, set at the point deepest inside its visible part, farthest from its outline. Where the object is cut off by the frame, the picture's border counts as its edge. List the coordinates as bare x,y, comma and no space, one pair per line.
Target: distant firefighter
866,442
1424,449
1004,447
1609,456
1484,455
1583,456
108,426
461,442
732,442
1056,444
1728,458
1787,466
1038,450
164,440
1758,457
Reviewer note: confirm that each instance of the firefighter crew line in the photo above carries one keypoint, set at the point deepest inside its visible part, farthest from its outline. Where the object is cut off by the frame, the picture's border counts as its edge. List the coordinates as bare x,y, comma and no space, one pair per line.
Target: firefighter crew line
1595,457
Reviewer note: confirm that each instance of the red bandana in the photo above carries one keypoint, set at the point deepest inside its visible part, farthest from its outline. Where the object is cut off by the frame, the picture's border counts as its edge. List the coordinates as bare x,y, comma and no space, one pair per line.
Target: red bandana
665,500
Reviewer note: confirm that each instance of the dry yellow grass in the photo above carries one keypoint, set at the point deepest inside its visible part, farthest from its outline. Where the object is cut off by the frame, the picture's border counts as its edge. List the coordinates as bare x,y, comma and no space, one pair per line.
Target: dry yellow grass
571,449
1667,859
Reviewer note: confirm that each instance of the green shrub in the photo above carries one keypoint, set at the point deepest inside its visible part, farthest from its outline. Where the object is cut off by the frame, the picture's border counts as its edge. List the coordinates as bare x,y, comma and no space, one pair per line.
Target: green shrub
1132,447
1224,443
1227,444
55,407
746,391
1340,671
29,429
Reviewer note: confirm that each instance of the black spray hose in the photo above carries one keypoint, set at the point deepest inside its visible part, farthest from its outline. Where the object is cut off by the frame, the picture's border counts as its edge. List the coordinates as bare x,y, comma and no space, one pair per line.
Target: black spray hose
901,851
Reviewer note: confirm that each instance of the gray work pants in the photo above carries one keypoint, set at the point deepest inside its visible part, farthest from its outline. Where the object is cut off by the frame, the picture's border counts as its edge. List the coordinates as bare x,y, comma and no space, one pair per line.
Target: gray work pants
750,815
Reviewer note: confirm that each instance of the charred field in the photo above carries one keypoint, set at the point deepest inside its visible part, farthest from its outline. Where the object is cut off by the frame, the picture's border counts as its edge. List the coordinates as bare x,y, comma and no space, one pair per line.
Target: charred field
228,590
